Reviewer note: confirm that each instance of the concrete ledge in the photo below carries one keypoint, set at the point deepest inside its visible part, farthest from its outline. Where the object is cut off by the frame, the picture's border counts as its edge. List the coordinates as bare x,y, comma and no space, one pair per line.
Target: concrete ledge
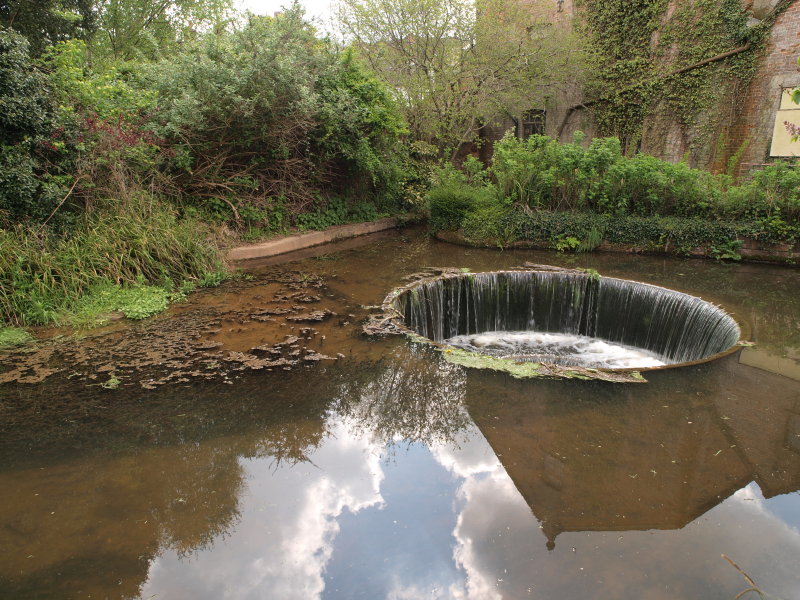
290,243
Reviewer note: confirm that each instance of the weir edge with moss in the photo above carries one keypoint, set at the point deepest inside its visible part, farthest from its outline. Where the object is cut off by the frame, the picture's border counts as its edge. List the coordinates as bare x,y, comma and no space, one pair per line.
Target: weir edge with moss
680,328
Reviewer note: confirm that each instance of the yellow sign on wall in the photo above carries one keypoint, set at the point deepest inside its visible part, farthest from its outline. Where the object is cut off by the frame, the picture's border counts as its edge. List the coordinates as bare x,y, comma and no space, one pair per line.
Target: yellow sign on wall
782,144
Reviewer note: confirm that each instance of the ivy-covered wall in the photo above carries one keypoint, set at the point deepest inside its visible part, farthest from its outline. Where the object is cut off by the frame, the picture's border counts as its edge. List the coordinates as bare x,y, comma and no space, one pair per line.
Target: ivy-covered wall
776,70
651,82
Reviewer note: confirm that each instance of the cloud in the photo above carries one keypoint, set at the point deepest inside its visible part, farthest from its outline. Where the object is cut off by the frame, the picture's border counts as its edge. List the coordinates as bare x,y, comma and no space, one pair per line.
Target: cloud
288,529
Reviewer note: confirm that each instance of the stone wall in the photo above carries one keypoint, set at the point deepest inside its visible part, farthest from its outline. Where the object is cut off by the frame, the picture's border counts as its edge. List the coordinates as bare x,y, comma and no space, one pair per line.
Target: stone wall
741,123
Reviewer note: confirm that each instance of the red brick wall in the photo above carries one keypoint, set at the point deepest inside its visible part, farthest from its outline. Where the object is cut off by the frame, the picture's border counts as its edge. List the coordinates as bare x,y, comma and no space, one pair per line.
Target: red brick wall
777,69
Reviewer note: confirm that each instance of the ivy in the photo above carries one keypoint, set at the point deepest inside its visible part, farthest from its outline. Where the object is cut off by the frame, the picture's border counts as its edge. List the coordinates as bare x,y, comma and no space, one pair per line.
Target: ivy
637,47
675,235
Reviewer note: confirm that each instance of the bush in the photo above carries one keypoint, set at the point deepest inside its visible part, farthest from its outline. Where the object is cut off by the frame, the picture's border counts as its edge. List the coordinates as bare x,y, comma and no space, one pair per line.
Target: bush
772,192
542,173
272,111
542,178
27,121
679,234
451,202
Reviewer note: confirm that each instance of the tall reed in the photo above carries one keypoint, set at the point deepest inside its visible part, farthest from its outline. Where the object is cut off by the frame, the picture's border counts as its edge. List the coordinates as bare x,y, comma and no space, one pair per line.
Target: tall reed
142,240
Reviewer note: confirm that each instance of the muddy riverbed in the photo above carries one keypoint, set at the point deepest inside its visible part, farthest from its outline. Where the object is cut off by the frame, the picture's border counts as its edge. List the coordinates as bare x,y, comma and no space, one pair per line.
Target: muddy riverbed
254,443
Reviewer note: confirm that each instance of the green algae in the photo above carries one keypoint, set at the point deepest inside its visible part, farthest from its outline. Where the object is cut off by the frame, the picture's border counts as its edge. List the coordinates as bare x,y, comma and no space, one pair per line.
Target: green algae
520,370
533,370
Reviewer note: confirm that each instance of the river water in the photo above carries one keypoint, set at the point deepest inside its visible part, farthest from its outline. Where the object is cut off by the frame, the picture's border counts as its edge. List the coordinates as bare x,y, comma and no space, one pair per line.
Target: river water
390,473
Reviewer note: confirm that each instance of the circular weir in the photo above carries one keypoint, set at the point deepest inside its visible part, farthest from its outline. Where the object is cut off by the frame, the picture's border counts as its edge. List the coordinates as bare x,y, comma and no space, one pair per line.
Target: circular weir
564,317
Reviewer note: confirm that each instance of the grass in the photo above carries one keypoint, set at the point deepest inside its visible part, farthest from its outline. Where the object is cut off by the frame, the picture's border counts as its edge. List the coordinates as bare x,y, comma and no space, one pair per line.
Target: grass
13,336
141,248
137,301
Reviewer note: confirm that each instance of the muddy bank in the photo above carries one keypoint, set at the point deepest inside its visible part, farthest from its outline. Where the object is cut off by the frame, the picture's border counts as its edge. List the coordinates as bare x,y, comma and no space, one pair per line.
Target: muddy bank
280,319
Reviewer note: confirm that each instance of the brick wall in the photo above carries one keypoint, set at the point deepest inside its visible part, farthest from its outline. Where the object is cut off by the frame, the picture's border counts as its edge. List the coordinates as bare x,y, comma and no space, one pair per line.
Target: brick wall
777,69
744,117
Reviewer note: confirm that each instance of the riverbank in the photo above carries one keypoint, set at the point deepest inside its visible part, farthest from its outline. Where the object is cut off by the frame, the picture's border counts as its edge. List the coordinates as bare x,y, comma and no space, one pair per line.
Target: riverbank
744,250
112,304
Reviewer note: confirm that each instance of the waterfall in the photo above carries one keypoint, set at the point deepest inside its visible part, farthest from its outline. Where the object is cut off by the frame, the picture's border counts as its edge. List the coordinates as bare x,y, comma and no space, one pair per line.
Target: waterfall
669,326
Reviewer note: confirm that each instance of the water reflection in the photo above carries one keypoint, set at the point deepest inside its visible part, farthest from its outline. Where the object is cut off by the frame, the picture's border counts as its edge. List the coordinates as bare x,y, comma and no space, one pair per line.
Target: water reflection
651,459
411,396
84,528
405,477
287,539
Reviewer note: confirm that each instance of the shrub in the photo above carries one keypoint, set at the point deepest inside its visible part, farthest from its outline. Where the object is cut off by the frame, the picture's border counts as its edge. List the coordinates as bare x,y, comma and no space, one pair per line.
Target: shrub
539,175
489,222
27,121
272,111
450,202
679,234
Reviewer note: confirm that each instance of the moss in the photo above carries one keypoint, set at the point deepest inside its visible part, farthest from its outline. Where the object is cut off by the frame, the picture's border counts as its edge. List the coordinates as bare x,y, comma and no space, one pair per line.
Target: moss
472,360
532,370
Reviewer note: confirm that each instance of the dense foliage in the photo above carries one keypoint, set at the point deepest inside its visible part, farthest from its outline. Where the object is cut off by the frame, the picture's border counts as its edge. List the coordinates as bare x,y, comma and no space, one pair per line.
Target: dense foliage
273,115
134,134
46,22
539,189
27,123
108,167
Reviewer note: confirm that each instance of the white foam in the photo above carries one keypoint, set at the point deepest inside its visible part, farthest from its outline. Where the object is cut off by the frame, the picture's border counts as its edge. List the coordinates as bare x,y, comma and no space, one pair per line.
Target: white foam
557,348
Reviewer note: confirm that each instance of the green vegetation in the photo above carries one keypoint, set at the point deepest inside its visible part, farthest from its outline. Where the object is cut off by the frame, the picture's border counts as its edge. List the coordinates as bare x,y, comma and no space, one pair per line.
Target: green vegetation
473,360
13,336
132,147
572,197
638,52
43,275
134,301
532,370
137,138
458,62
271,120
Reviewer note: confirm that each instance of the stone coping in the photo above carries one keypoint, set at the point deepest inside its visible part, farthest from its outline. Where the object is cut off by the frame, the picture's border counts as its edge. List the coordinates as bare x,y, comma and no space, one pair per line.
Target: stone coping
300,241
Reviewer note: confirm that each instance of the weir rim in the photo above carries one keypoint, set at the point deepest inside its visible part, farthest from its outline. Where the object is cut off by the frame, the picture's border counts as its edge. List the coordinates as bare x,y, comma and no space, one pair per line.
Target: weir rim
443,307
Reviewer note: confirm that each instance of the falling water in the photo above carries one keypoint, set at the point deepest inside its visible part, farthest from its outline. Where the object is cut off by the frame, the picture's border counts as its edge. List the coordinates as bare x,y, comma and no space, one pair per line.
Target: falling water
601,322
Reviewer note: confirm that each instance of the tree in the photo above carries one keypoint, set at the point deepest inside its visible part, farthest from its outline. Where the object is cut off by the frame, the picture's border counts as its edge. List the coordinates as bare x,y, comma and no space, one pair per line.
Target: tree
456,63
133,28
27,132
45,22
272,114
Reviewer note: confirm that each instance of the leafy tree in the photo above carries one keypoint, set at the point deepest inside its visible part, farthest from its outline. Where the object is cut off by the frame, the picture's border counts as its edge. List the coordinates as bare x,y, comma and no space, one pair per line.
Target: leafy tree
45,22
146,28
272,111
455,63
27,124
